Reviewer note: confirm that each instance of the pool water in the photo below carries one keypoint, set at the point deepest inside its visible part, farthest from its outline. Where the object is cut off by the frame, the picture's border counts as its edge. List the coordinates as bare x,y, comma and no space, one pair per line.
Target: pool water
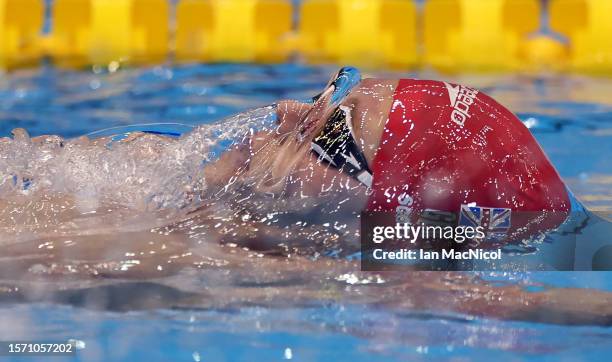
571,117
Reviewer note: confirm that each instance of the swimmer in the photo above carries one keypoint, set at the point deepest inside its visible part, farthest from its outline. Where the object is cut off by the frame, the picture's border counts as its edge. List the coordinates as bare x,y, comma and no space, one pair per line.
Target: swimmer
422,150
294,185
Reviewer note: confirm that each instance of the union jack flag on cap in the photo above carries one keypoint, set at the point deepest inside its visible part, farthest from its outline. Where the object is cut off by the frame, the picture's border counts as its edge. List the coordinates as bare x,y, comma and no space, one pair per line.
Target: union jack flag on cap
494,220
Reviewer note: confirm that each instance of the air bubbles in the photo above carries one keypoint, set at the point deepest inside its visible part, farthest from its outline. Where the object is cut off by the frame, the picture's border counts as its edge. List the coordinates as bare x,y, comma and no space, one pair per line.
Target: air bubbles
353,279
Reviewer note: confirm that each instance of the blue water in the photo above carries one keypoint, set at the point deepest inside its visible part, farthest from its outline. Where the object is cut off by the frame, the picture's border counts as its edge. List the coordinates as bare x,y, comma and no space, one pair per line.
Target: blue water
570,116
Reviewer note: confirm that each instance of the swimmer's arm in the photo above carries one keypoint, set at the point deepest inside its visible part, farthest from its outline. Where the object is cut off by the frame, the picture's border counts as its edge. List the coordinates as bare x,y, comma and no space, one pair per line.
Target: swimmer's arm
556,305
567,306
269,239
263,238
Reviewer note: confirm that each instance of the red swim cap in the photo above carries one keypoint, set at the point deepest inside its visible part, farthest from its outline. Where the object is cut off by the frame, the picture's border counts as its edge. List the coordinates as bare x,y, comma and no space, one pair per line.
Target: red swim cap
450,148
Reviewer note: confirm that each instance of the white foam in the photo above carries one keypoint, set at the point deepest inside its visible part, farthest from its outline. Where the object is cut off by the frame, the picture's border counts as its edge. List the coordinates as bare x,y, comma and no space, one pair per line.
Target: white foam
142,172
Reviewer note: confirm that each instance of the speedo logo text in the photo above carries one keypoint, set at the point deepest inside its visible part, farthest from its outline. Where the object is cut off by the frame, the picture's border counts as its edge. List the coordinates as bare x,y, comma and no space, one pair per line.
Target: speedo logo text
461,98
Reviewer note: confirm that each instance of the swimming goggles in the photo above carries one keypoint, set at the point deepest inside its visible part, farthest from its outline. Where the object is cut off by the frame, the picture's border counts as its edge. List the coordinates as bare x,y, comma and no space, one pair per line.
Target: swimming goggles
336,144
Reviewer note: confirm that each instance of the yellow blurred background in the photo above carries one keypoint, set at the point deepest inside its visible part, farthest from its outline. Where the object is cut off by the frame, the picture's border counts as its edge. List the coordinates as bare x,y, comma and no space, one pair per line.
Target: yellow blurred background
446,35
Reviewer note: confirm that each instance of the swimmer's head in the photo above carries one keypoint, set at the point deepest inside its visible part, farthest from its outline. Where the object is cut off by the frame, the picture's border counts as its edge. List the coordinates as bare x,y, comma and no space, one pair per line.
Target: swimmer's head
277,153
